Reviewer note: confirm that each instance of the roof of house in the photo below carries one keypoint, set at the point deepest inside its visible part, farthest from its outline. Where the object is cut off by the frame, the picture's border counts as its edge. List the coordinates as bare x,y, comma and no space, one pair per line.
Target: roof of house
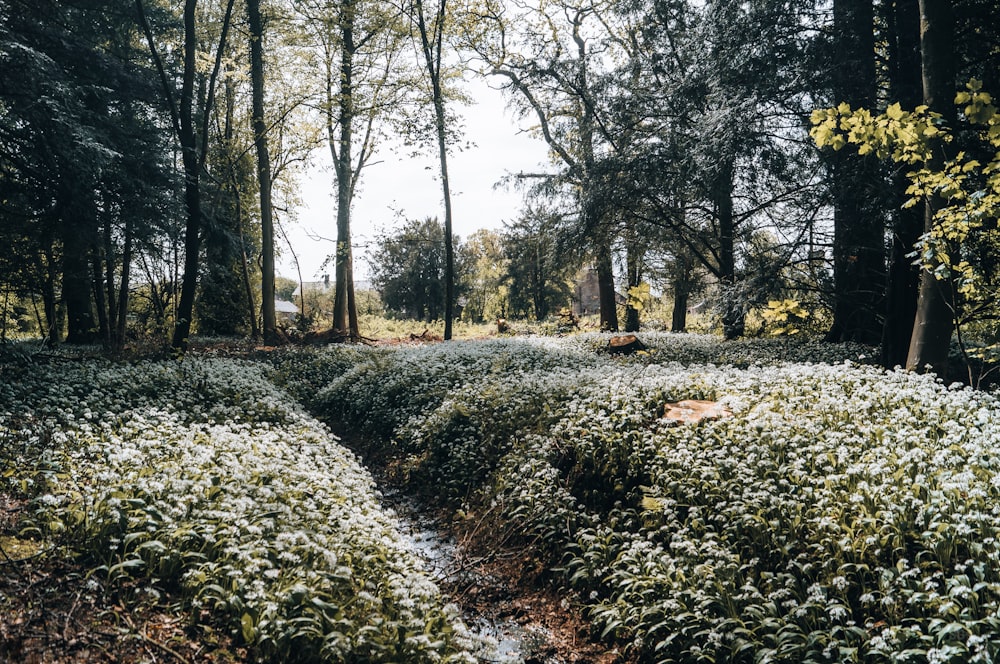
285,307
312,286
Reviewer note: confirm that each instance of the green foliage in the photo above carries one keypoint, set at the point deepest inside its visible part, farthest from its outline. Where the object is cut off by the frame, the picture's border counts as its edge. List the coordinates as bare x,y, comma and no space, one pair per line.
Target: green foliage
203,478
83,159
222,308
408,270
784,317
968,189
539,272
16,318
485,293
284,288
839,513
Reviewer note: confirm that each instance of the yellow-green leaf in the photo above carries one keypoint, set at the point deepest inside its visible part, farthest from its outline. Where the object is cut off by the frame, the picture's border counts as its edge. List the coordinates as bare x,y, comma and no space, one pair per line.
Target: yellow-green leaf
247,626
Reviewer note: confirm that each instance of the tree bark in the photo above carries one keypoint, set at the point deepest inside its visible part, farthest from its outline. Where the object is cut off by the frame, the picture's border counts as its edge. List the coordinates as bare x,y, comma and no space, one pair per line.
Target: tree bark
344,311
606,287
633,260
858,247
192,183
449,243
108,282
933,324
902,286
53,316
734,312
678,315
101,300
268,316
77,280
592,215
431,43
118,335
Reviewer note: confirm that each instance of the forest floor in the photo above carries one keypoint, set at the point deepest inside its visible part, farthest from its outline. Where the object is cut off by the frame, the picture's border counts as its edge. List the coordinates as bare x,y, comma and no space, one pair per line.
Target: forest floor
52,611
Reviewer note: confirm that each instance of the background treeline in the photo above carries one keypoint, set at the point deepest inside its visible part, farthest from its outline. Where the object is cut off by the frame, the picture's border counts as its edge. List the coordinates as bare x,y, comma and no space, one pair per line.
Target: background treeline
146,145
514,273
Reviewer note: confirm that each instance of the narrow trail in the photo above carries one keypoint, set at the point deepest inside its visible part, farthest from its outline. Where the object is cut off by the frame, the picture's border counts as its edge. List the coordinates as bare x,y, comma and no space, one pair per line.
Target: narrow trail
515,623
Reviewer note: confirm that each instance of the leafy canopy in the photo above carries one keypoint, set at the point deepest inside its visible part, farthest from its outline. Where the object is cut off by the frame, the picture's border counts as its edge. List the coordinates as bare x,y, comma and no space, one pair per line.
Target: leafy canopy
968,189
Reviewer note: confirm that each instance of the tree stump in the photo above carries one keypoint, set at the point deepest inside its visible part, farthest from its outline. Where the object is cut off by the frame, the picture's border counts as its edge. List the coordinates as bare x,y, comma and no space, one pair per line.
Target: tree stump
695,410
625,345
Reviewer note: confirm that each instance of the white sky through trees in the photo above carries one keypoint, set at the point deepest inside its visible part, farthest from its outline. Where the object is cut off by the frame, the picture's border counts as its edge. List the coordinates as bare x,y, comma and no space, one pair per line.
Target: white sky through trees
398,182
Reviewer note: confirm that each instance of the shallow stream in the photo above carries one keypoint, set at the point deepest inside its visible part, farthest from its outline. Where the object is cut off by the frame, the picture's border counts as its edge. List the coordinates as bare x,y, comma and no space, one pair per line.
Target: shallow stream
502,640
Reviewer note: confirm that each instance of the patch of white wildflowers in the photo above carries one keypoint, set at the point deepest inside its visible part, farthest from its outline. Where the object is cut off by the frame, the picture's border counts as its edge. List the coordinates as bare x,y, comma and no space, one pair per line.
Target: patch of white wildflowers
841,513
204,474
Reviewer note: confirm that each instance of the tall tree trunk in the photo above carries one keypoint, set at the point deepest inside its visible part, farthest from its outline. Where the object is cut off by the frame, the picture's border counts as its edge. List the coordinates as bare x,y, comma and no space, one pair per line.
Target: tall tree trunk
539,278
344,312
606,286
118,338
633,259
108,280
678,315
858,246
101,302
3,319
431,43
683,285
592,215
449,244
933,325
245,268
903,21
192,183
268,316
734,308
77,282
53,318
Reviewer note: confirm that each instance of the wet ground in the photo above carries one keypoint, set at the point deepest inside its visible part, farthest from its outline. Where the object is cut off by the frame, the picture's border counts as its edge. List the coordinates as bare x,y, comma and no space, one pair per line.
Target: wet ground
515,621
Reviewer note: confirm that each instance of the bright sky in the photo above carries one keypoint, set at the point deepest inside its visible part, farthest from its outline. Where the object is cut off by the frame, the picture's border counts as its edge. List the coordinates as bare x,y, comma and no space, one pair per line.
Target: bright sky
401,183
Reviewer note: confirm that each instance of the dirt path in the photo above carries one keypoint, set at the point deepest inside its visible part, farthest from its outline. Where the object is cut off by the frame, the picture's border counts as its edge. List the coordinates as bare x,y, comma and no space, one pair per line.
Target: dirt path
501,601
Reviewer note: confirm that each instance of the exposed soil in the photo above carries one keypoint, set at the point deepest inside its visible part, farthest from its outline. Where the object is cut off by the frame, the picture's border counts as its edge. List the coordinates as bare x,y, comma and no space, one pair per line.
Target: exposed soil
52,612
501,591
551,630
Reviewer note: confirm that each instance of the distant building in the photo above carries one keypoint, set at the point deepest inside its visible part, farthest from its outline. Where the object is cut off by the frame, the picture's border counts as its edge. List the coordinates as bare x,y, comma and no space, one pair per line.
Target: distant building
285,311
587,293
314,286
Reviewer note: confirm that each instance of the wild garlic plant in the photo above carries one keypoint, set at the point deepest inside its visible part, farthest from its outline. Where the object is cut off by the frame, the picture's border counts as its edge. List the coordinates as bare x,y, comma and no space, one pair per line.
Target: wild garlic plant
839,513
203,476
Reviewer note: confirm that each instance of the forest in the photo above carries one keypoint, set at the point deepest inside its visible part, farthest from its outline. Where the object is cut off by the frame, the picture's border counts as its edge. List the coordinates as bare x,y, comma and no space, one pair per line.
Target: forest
771,438
832,158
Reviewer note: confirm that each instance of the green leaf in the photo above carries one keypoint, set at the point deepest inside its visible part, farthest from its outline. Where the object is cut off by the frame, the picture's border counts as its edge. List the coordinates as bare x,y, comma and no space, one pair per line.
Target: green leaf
248,630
